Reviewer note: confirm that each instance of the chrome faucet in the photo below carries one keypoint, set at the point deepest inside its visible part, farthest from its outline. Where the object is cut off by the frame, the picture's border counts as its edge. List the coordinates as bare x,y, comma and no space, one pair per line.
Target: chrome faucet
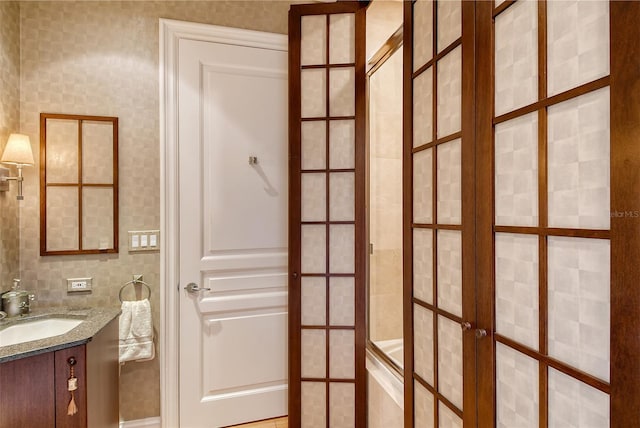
3,315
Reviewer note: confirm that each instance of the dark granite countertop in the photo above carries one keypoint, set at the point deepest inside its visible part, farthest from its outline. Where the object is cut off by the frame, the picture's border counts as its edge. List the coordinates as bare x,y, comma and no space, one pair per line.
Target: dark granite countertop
94,320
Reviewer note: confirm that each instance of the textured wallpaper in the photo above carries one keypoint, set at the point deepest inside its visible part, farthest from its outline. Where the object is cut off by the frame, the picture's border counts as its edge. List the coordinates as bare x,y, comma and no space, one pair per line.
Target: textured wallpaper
101,58
9,122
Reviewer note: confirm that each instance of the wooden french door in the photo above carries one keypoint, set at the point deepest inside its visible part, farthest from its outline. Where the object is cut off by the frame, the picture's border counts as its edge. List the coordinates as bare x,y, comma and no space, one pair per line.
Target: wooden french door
548,192
557,225
327,232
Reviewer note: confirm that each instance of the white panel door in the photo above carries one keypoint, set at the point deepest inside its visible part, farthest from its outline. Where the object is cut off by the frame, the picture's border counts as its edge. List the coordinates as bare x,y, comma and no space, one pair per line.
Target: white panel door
233,232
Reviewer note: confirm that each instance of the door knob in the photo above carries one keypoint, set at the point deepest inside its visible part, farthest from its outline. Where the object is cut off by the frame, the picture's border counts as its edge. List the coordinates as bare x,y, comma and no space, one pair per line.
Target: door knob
465,325
193,288
480,333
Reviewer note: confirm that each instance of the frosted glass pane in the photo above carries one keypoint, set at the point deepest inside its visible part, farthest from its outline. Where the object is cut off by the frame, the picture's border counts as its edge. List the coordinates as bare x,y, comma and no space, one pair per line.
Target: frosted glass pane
342,196
424,407
516,169
314,249
450,271
342,399
517,287
313,405
313,296
342,300
314,353
312,93
579,162
342,143
517,384
422,33
342,350
97,152
341,249
450,182
573,404
314,143
423,343
448,419
423,108
342,38
450,93
62,218
423,186
423,265
314,197
577,43
97,218
449,22
516,57
450,360
342,92
313,41
579,303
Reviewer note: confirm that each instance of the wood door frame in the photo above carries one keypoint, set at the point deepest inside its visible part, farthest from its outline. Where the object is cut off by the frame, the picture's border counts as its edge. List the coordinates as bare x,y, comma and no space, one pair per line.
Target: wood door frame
624,231
295,174
171,32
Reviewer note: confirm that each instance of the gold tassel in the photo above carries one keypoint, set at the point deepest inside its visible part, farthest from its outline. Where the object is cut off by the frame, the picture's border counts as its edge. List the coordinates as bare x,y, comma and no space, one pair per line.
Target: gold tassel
72,409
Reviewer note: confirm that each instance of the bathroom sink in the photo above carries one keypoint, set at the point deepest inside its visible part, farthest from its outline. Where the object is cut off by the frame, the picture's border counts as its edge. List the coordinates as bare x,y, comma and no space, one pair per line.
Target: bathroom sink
37,329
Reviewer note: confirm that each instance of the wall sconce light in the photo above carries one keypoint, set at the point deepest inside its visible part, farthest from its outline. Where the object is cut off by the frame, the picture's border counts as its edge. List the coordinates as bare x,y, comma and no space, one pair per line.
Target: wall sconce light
17,152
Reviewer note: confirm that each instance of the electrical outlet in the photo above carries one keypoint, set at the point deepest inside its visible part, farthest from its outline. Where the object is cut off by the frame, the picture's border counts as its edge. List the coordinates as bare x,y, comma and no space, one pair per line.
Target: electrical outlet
76,285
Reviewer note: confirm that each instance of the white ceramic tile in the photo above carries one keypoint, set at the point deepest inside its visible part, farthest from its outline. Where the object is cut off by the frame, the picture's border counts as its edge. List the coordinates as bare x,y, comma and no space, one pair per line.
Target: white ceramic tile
342,348
342,36
342,196
422,33
579,303
449,22
449,245
342,143
424,406
313,40
342,92
313,197
313,399
314,353
517,287
342,401
423,343
573,404
423,265
516,171
450,360
448,419
579,162
449,113
577,43
313,296
517,384
314,249
450,182
312,93
342,300
423,108
423,186
314,143
341,249
516,57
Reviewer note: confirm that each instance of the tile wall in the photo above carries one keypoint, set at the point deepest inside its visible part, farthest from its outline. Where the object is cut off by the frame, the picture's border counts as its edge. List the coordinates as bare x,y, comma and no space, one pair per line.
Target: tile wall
101,58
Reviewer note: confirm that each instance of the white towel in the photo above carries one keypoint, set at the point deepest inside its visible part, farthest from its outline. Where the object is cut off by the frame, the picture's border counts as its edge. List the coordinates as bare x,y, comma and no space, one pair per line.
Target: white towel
136,331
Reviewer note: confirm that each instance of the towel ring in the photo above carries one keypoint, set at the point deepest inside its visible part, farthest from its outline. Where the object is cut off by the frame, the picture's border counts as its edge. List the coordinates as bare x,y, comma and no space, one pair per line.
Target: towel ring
134,282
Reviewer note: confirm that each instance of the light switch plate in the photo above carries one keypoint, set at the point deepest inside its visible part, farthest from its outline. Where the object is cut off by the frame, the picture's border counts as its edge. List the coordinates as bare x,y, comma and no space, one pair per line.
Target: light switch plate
144,241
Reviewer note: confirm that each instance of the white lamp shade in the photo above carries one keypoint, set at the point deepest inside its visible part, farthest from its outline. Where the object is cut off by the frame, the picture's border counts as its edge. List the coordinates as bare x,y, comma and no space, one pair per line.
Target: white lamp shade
18,150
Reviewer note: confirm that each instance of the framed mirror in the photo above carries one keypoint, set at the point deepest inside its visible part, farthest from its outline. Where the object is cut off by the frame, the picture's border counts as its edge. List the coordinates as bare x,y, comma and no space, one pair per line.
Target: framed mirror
78,184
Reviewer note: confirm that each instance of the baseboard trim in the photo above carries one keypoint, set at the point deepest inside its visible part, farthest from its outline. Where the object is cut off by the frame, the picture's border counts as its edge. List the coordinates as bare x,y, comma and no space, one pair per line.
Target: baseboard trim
138,423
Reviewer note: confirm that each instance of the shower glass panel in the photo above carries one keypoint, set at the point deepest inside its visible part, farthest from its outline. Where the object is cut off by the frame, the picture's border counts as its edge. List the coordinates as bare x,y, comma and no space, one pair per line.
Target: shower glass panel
385,207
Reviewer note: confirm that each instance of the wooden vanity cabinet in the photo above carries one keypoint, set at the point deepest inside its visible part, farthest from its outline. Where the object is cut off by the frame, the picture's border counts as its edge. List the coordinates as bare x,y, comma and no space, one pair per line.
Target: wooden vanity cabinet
33,390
